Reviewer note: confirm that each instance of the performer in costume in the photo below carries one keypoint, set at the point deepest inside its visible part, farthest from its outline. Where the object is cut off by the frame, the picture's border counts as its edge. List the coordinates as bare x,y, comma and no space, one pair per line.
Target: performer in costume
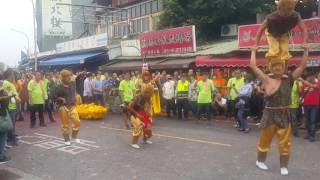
66,96
275,120
278,24
140,116
146,80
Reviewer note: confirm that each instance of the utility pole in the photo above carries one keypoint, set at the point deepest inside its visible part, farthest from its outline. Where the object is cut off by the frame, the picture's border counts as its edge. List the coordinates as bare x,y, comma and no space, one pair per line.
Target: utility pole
35,36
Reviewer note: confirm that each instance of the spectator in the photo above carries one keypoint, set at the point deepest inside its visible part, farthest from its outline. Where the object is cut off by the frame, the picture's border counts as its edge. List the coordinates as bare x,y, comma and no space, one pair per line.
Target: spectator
37,96
126,90
205,88
87,89
294,106
243,105
234,84
12,107
311,103
220,105
4,116
168,94
24,92
193,96
97,89
182,90
48,106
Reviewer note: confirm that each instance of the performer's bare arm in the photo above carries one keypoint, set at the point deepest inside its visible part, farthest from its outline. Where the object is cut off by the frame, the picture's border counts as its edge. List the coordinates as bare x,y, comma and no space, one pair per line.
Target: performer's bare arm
261,30
297,72
253,65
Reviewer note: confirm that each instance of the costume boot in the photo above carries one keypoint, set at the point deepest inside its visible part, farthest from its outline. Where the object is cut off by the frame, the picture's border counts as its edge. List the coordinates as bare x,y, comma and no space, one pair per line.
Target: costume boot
284,160
66,139
75,136
261,159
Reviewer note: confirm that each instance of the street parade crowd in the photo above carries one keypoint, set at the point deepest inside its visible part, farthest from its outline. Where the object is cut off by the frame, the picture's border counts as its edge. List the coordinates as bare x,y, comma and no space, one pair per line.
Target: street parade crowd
279,99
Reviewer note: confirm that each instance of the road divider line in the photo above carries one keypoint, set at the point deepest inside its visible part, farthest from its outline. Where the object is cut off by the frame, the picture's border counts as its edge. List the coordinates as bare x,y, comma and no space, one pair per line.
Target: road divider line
174,137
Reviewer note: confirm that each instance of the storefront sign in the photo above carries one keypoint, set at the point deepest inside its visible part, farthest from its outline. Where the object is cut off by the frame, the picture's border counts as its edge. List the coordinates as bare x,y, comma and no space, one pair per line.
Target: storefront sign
83,43
130,48
170,41
56,19
247,34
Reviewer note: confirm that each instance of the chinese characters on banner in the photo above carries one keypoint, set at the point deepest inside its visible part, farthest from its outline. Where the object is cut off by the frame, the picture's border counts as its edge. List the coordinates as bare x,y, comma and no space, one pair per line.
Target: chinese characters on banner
247,34
56,19
170,41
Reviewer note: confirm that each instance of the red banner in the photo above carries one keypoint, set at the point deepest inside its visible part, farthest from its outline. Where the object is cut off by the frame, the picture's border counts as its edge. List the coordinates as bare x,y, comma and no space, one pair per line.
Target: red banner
247,34
170,41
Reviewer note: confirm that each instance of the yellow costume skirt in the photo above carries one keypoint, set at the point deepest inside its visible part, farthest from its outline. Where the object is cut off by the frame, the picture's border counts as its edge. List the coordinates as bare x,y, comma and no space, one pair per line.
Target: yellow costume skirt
155,100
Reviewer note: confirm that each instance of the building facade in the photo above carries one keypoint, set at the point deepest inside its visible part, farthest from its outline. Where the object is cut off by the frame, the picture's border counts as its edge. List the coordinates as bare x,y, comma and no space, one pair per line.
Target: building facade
65,21
131,17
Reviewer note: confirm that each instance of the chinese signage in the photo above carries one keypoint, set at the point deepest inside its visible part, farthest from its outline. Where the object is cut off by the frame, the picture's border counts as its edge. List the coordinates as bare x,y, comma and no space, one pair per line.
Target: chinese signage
56,19
170,41
247,34
83,43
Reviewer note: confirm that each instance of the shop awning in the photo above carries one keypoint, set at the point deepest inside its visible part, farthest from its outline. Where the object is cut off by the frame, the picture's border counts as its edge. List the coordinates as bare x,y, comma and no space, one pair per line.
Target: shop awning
127,65
174,64
210,61
71,59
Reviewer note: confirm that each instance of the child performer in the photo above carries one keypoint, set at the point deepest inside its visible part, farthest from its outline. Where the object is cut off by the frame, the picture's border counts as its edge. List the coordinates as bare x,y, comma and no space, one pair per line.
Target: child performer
278,24
141,116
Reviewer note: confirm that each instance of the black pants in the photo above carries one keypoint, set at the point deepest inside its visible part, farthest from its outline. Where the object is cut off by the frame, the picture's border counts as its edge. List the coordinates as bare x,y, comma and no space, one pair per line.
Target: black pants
182,104
169,106
204,108
49,108
232,110
33,109
294,119
310,113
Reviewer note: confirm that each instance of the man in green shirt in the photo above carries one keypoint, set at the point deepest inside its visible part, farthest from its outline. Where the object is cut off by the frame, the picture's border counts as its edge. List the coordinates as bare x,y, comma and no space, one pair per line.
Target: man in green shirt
234,84
206,89
126,89
12,91
294,106
37,96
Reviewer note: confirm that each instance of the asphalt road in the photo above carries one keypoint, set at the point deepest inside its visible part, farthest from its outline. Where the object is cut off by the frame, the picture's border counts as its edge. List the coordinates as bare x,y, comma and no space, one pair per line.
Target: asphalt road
181,150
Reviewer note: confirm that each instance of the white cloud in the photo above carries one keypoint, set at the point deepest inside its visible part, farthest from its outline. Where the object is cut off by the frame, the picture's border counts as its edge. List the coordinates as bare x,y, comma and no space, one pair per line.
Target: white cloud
15,14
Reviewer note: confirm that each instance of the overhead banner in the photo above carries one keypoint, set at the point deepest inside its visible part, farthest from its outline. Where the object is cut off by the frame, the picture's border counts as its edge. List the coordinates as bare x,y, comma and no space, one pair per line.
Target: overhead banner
247,34
170,41
89,42
56,19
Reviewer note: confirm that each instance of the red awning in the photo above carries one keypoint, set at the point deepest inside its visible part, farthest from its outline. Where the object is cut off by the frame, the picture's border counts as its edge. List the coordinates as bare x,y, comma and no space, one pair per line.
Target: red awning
209,61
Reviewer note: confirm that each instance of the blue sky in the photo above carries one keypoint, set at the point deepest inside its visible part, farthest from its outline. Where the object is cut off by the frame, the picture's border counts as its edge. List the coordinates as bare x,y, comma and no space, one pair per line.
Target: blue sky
15,14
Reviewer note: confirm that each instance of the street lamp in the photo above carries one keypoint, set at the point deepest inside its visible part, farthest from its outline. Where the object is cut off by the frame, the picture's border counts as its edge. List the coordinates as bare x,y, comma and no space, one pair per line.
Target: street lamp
26,36
35,36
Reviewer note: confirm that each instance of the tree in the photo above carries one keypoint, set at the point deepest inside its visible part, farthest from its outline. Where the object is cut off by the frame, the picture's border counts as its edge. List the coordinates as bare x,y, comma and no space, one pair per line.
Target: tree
209,15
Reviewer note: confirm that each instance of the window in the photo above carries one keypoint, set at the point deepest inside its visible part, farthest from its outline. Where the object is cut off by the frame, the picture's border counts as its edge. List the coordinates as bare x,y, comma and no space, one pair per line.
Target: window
133,12
139,22
129,12
137,11
119,30
123,15
160,5
134,26
145,24
154,6
148,8
143,9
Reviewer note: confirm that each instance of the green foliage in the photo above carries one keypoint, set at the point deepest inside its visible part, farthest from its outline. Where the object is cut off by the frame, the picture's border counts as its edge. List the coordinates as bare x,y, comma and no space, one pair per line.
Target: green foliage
209,15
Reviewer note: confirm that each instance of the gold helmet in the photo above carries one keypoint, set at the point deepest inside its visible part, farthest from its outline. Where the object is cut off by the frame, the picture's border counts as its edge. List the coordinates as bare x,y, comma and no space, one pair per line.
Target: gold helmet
287,3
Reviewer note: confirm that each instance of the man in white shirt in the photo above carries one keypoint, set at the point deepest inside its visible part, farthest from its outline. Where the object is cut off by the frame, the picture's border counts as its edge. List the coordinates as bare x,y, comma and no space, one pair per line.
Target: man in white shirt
87,89
168,94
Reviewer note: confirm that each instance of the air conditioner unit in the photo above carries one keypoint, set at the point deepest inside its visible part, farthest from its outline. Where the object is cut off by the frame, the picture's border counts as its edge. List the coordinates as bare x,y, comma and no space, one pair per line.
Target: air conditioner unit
229,30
